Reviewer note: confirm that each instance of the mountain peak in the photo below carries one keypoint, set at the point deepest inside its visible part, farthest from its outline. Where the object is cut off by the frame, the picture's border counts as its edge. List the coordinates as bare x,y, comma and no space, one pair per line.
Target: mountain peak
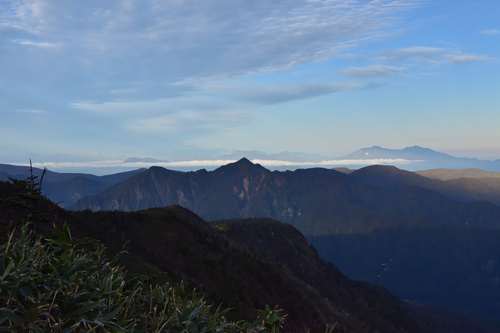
244,161
244,165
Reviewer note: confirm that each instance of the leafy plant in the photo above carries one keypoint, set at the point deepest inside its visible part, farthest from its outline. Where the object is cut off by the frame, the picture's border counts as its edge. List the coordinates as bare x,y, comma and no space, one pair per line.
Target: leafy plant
57,284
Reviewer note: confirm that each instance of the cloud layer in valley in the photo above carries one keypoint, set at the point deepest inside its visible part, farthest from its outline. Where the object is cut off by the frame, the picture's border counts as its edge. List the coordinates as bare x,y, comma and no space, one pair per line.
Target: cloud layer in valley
214,163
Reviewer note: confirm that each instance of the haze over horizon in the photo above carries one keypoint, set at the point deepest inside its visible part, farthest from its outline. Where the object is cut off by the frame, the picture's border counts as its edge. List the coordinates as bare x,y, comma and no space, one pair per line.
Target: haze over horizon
182,80
412,158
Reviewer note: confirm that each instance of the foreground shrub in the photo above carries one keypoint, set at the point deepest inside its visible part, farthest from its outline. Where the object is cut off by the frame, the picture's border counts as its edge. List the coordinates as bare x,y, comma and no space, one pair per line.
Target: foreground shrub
56,284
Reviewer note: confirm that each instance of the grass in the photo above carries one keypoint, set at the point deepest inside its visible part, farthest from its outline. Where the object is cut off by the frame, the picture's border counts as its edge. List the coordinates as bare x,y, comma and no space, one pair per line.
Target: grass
55,283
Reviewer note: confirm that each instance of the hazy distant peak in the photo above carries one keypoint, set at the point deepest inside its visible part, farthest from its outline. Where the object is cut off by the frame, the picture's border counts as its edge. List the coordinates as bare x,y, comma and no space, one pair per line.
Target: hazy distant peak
423,150
410,153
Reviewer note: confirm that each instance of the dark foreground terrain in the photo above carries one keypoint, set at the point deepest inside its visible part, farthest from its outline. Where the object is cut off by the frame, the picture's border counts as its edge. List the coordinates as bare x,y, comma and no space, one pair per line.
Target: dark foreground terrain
241,264
175,244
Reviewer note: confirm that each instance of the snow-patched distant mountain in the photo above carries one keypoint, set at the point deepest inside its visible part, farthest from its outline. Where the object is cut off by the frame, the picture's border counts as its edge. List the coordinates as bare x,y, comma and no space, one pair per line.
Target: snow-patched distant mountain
419,158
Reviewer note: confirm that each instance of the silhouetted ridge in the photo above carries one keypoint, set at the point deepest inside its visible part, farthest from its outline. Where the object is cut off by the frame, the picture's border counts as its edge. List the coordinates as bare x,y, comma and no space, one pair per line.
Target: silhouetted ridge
378,169
159,170
316,201
387,175
244,165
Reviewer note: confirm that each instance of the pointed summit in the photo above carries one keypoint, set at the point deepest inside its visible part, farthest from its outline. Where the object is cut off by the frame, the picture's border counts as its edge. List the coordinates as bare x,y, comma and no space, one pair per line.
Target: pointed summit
242,165
244,162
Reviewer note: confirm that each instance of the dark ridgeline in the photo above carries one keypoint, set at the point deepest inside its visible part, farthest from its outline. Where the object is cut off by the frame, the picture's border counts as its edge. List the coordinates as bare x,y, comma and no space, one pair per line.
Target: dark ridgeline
316,201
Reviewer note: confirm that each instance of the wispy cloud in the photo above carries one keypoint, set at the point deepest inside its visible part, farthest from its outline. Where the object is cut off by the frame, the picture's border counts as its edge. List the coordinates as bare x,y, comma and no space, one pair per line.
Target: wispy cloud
37,44
124,107
460,58
233,36
433,55
424,52
207,106
286,93
371,71
31,111
198,122
218,96
158,107
24,15
490,32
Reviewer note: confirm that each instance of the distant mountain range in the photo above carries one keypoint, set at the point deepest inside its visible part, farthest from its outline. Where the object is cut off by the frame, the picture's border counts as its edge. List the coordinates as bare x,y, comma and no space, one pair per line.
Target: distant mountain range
415,153
413,158
420,158
410,158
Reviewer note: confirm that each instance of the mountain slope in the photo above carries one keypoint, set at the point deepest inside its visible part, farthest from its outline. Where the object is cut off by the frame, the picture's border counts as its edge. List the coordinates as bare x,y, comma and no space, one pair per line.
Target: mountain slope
283,245
480,189
473,189
452,174
457,269
176,244
468,184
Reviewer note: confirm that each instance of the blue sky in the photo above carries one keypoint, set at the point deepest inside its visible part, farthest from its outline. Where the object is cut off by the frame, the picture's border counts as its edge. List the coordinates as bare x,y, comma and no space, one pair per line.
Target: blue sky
181,79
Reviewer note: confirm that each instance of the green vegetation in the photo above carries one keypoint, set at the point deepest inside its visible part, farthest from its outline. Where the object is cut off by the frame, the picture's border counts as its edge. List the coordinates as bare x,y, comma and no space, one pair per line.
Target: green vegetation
55,283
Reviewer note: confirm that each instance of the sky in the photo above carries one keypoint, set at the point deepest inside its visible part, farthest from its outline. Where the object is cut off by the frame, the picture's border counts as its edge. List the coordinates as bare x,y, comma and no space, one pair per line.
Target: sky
186,79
